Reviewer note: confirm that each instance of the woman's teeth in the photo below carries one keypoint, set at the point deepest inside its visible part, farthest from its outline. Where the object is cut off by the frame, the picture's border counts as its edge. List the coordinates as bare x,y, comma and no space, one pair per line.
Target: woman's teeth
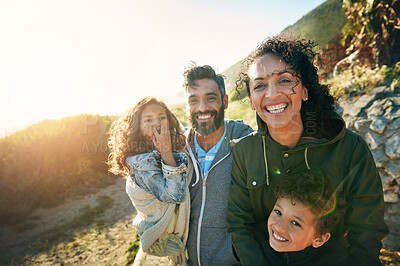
275,109
278,237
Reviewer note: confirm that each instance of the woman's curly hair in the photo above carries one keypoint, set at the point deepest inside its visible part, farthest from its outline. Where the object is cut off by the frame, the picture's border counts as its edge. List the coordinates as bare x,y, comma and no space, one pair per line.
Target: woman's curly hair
126,139
299,54
312,189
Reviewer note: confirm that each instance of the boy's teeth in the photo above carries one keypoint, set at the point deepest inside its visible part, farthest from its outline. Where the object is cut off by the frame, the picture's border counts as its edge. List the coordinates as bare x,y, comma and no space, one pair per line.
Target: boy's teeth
279,238
274,109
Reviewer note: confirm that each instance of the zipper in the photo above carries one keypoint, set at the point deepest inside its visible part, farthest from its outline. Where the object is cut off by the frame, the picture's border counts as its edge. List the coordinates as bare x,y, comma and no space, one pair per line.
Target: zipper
265,160
286,255
203,201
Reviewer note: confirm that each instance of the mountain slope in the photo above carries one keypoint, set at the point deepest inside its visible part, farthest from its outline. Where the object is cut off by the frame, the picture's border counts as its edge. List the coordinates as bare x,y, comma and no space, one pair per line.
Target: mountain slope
321,24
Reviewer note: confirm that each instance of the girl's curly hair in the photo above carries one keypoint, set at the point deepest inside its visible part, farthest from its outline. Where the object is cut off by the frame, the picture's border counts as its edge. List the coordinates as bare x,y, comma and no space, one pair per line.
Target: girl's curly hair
126,139
299,54
312,189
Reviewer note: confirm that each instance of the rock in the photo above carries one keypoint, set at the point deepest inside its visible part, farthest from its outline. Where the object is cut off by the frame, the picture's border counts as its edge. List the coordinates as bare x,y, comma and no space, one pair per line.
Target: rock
392,218
380,157
339,110
381,91
361,125
349,120
390,196
392,148
395,100
393,169
353,109
386,179
374,140
376,109
392,112
395,124
391,130
388,103
378,125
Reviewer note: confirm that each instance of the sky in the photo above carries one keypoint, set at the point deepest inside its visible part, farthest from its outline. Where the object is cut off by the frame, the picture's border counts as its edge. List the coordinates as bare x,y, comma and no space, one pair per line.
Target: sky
64,58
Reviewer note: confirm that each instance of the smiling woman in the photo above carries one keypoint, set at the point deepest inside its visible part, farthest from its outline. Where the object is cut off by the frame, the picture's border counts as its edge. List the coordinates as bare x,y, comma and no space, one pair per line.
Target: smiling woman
298,130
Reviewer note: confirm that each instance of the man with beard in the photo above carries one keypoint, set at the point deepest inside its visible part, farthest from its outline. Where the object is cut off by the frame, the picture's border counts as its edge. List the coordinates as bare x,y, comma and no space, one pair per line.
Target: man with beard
210,139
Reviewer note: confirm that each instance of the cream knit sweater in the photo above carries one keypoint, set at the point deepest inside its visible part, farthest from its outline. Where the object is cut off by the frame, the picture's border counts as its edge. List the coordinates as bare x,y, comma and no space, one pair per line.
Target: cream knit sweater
153,215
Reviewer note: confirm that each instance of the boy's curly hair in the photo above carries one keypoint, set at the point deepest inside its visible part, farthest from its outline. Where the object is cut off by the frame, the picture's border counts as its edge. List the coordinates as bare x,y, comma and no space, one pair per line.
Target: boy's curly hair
312,189
299,54
126,139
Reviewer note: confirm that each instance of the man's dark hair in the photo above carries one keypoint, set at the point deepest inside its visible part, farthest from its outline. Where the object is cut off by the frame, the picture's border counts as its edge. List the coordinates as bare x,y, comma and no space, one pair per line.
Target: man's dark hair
193,73
315,190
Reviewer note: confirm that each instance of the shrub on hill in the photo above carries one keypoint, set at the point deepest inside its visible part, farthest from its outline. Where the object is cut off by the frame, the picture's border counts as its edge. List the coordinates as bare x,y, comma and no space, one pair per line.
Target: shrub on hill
47,161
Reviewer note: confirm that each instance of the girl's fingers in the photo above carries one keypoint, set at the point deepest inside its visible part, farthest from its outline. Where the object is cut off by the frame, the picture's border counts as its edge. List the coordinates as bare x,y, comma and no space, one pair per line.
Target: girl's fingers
163,130
155,132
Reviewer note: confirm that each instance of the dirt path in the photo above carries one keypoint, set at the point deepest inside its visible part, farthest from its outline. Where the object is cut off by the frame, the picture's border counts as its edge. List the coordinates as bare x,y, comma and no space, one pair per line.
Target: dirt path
51,236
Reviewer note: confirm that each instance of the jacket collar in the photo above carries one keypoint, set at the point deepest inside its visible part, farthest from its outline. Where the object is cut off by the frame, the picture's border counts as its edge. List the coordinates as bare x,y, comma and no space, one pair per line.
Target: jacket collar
334,124
224,148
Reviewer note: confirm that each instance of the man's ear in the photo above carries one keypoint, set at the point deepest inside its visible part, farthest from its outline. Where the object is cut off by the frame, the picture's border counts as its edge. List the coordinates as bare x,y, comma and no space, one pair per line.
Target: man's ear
225,101
319,241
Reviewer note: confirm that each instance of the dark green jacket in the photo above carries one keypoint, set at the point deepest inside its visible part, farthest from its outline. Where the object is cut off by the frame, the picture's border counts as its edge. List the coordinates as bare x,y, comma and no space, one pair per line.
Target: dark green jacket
345,158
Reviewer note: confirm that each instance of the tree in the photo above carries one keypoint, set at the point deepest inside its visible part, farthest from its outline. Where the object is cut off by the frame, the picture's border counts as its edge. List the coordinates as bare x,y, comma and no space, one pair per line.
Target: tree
373,30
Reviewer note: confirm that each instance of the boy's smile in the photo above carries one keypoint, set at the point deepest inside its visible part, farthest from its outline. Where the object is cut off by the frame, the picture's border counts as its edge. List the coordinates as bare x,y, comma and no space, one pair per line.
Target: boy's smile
291,225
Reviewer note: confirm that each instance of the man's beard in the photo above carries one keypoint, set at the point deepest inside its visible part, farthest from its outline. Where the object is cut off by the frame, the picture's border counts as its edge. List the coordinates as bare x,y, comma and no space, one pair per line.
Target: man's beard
202,128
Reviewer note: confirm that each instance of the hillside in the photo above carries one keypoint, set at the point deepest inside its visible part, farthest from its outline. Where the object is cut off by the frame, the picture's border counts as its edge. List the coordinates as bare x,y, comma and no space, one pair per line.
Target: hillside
321,24
46,162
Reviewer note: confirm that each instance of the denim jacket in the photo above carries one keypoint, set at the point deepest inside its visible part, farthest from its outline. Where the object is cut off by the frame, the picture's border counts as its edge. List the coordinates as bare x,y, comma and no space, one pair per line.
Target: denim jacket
167,183
160,195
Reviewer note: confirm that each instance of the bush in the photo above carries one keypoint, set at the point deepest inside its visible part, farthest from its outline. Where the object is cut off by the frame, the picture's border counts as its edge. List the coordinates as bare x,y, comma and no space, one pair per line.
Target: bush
356,81
42,164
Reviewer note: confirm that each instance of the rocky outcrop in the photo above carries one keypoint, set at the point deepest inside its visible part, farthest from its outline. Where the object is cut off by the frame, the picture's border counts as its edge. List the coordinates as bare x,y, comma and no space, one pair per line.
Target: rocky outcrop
376,117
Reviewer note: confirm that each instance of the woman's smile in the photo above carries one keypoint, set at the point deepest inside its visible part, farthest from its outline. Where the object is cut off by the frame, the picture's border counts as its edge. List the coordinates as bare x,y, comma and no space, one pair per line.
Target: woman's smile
276,108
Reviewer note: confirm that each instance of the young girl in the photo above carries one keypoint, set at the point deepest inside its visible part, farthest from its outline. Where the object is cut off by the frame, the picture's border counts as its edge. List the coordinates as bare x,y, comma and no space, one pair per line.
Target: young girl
146,145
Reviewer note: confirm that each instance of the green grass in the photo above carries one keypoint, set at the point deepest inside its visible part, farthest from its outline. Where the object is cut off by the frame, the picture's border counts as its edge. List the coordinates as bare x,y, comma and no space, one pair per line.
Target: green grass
132,250
179,111
361,80
321,24
242,110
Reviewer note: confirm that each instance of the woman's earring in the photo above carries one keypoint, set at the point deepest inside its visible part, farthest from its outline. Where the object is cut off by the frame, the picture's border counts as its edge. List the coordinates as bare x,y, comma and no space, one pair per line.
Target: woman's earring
306,96
252,107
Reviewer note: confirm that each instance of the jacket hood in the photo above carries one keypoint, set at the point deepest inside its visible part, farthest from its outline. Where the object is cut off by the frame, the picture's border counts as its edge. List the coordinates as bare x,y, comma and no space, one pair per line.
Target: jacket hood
335,126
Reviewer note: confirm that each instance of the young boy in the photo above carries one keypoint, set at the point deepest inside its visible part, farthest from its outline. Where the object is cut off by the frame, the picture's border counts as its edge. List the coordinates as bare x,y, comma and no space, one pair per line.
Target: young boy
301,222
